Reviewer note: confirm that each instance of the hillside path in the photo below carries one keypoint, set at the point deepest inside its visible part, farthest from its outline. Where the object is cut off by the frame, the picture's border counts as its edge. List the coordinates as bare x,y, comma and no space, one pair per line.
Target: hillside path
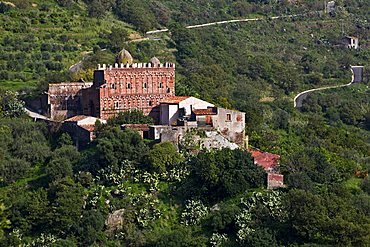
231,21
356,78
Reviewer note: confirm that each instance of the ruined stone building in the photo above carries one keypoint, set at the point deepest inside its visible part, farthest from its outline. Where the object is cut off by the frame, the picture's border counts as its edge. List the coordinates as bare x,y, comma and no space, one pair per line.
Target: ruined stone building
270,163
65,99
180,113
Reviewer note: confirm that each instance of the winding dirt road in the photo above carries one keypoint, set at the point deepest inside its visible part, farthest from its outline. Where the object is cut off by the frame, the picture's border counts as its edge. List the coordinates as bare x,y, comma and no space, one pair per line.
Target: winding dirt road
356,78
229,21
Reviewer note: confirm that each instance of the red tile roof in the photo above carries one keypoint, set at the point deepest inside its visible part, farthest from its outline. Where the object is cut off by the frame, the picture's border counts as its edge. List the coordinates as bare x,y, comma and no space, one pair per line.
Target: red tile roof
174,99
88,127
275,180
76,118
267,160
208,111
275,177
139,127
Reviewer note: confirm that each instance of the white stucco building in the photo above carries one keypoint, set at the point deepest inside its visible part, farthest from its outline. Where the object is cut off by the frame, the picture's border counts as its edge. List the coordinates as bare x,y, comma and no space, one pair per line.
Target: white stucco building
176,107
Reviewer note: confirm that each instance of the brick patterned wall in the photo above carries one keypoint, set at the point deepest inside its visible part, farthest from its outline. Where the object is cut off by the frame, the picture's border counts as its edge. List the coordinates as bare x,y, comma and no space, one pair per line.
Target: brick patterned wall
122,89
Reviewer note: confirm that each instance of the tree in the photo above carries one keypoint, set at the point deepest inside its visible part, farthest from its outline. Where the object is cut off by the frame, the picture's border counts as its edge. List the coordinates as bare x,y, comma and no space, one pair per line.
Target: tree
114,145
137,13
10,105
164,156
12,169
365,185
117,38
59,168
261,237
66,200
224,173
4,222
65,3
90,227
97,8
4,7
367,120
179,237
64,139
306,214
133,116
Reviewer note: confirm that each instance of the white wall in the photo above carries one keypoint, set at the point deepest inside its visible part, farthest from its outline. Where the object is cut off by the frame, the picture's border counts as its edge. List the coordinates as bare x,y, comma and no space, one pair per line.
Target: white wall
193,103
90,121
169,113
173,111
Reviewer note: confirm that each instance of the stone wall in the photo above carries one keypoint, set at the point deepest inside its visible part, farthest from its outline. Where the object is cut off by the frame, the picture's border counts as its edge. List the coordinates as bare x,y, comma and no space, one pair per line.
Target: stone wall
65,99
231,124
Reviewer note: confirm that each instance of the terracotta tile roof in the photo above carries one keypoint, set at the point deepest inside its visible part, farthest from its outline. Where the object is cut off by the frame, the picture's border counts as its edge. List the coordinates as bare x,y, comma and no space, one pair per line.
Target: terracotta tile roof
140,127
88,127
78,83
174,99
76,118
275,180
275,177
208,111
267,160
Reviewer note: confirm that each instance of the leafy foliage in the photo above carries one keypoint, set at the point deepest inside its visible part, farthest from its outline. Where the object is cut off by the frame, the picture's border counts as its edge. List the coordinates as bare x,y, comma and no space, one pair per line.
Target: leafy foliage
130,117
55,195
164,156
220,174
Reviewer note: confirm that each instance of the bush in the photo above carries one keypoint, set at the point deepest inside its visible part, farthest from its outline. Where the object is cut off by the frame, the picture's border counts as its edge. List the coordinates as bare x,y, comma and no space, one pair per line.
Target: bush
164,157
220,174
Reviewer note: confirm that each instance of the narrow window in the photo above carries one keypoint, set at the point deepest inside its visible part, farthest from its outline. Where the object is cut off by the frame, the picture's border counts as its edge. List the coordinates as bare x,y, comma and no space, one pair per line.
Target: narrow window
160,85
144,85
228,117
129,85
168,90
150,103
113,86
116,105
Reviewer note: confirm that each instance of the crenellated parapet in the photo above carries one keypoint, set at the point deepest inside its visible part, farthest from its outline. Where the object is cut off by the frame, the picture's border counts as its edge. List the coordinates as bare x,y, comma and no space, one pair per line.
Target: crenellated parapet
134,65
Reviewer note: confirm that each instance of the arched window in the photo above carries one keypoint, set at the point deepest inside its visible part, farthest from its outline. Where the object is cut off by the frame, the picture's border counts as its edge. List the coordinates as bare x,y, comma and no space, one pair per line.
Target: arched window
113,86
145,85
128,85
160,85
116,105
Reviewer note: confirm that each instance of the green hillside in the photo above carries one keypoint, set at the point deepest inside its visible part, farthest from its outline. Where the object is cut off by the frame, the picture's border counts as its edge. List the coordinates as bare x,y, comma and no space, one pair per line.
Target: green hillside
52,194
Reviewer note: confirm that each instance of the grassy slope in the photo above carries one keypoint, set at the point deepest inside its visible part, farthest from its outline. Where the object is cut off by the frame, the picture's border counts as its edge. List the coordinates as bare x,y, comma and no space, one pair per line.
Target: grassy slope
45,23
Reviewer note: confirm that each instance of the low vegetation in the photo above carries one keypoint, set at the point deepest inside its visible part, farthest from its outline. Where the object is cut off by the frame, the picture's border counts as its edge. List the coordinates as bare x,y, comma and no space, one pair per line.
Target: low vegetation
52,194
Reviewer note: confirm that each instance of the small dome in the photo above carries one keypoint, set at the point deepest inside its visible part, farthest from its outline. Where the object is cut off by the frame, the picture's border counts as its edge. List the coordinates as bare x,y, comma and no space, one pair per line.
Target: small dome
124,57
155,61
